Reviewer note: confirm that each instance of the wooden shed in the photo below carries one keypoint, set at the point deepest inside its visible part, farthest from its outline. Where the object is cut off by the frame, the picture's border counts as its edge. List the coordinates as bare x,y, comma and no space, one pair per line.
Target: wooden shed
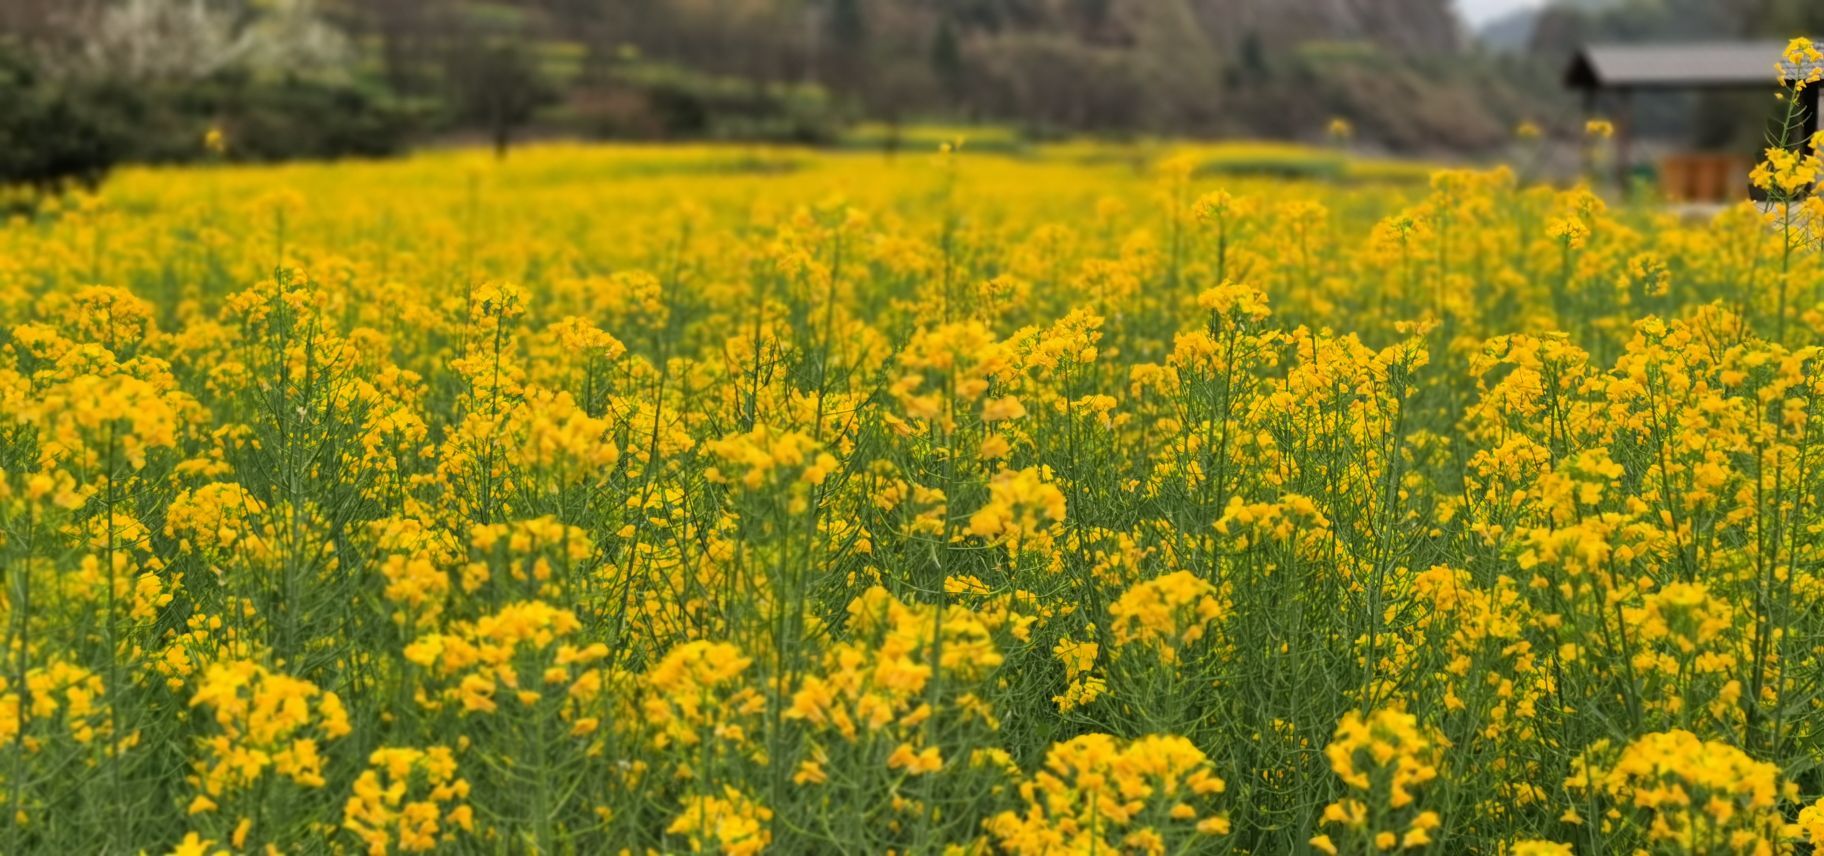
1621,70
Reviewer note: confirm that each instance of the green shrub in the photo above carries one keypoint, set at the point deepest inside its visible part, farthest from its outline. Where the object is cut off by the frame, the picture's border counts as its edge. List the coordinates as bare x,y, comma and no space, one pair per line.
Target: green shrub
53,134
271,119
681,103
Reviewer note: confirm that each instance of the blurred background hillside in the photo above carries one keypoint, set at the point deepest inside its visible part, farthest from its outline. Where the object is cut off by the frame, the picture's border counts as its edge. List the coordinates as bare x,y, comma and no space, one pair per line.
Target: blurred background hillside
84,83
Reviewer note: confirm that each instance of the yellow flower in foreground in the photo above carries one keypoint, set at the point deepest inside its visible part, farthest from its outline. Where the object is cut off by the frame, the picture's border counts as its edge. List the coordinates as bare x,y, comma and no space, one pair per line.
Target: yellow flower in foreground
409,799
1385,755
1535,847
729,823
196,845
1093,794
1168,614
1687,791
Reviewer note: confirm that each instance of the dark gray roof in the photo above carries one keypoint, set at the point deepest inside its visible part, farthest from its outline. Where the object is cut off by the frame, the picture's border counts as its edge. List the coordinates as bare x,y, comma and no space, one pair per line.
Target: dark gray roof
1681,65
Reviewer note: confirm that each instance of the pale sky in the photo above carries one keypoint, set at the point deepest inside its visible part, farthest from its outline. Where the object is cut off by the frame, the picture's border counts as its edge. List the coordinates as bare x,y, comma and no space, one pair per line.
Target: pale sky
1479,12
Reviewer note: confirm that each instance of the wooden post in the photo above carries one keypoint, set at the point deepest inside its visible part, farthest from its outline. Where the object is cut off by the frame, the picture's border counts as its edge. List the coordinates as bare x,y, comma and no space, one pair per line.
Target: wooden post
1810,107
1588,165
1624,140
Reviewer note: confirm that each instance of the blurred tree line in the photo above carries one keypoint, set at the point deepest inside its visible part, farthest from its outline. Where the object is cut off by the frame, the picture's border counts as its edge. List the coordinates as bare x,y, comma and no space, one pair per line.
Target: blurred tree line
145,79
84,83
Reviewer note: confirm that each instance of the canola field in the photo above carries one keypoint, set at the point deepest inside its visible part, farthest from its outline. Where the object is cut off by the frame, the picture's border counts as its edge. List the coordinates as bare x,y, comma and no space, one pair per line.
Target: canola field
725,500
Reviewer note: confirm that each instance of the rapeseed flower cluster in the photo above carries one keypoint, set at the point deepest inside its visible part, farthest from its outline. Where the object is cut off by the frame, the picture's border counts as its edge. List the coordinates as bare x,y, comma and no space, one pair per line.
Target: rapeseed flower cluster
696,499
